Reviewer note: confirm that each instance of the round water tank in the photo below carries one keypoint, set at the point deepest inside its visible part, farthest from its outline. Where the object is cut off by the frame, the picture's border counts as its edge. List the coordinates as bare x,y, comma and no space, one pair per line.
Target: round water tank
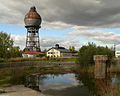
32,18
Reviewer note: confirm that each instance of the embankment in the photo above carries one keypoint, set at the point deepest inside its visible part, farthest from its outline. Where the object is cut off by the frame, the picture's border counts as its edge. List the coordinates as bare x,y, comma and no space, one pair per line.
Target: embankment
37,64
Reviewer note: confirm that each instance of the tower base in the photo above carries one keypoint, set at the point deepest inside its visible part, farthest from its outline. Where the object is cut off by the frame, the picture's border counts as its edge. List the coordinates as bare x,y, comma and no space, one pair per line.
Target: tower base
31,54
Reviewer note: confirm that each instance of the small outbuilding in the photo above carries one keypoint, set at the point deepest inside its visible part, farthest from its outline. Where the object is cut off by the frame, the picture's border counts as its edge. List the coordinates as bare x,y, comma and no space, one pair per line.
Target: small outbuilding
58,51
31,54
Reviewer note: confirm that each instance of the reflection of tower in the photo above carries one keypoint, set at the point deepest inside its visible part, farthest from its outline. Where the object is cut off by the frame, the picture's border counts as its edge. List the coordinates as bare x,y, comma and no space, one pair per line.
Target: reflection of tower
32,23
102,86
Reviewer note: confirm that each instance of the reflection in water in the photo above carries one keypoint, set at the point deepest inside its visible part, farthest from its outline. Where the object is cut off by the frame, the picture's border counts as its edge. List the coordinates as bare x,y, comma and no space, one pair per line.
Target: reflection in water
87,80
71,84
102,87
107,87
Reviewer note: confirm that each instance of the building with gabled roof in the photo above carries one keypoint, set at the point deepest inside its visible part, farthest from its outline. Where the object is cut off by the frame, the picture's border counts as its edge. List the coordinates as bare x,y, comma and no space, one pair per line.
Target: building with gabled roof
58,51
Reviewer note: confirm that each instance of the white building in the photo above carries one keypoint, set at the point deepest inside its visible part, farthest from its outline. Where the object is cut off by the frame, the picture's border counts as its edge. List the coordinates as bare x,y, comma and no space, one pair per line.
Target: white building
58,52
117,54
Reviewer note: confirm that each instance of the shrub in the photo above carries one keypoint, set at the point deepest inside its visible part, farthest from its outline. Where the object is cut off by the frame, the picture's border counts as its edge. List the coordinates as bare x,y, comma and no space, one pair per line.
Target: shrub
86,53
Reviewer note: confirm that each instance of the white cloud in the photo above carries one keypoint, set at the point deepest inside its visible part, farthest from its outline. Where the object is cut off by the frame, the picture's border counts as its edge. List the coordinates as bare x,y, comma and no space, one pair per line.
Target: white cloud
56,25
90,33
19,40
80,27
62,84
47,42
97,35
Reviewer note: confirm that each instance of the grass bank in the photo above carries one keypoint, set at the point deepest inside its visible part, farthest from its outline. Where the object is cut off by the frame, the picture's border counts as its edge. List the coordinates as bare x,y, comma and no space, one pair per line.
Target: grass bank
115,69
38,59
88,69
17,75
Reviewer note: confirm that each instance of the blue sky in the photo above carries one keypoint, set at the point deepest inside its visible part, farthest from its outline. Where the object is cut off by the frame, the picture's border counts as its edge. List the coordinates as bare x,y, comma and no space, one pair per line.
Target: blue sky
68,23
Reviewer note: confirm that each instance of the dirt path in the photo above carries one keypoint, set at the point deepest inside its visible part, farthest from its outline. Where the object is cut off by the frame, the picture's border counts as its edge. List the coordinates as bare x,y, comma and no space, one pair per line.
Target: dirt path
20,90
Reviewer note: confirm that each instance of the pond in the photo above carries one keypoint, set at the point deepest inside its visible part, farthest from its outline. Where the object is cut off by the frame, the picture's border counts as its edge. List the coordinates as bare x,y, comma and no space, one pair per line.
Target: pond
72,84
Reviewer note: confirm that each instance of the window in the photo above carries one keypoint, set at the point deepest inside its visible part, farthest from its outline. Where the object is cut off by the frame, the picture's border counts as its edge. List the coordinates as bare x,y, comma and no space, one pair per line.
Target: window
52,52
49,52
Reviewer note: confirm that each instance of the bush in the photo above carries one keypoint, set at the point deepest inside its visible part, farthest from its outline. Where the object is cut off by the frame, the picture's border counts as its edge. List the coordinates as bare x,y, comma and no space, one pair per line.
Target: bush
1,60
86,53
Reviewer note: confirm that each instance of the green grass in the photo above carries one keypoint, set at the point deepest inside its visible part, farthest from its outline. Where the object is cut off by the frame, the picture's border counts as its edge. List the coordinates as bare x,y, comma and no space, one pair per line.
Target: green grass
2,91
89,69
17,75
5,81
37,59
5,77
115,69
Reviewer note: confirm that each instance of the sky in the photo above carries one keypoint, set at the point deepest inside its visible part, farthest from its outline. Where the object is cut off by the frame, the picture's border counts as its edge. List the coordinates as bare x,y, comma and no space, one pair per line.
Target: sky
64,22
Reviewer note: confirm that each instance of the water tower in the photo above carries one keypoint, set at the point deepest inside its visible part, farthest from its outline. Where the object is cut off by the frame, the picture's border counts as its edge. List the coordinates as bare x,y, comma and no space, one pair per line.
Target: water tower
32,24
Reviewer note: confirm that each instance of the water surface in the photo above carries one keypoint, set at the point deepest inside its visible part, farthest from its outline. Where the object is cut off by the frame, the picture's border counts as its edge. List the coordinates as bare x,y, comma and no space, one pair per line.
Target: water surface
74,84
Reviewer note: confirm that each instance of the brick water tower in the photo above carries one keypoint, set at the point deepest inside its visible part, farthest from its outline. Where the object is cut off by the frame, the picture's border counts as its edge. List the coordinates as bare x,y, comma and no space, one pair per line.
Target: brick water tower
32,24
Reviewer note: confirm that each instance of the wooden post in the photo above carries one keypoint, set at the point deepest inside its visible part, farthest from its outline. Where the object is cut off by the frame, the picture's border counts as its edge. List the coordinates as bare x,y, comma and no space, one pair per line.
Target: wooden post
100,66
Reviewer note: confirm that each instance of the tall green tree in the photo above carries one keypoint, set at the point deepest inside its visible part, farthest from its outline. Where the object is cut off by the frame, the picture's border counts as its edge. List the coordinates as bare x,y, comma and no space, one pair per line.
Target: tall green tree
72,49
86,53
6,44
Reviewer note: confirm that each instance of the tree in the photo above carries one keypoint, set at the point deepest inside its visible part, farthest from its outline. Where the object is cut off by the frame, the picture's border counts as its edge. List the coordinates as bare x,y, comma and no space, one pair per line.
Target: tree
15,51
7,50
86,53
45,50
72,49
6,44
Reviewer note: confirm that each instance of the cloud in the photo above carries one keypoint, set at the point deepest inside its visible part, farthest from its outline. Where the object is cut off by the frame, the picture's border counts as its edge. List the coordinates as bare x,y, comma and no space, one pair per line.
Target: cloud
56,25
90,33
80,27
47,42
19,40
97,35
90,13
67,81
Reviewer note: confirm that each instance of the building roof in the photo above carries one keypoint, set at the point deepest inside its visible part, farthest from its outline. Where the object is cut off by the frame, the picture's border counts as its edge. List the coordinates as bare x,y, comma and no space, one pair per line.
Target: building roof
61,49
33,52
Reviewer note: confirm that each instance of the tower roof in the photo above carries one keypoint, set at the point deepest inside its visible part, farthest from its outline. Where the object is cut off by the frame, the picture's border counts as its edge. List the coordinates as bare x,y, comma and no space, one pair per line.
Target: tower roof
32,18
32,14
